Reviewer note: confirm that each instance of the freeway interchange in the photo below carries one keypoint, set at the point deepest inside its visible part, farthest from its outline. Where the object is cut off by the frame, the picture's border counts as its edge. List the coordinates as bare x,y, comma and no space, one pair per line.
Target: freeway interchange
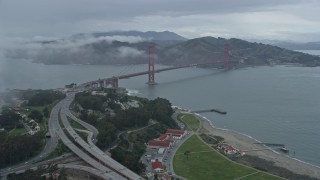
101,165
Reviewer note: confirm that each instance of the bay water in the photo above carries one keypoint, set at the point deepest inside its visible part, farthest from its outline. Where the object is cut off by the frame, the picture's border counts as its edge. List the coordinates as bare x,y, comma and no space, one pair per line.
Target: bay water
279,104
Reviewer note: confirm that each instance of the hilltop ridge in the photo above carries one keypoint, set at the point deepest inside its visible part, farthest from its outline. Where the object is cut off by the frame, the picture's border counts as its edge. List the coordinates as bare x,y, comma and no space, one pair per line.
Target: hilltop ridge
131,47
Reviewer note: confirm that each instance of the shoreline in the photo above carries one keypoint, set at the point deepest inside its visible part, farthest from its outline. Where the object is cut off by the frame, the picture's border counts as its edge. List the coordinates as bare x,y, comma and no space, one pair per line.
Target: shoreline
246,142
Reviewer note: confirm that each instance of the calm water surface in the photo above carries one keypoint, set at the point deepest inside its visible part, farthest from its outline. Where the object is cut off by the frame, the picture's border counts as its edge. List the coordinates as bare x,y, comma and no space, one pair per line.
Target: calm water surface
272,104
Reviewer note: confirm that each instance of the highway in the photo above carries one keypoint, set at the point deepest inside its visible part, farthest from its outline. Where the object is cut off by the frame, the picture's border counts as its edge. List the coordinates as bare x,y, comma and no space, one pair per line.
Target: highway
92,149
56,129
22,168
102,165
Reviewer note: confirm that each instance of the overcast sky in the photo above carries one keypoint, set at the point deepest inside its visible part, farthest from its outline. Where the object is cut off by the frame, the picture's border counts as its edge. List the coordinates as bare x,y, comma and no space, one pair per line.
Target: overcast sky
294,20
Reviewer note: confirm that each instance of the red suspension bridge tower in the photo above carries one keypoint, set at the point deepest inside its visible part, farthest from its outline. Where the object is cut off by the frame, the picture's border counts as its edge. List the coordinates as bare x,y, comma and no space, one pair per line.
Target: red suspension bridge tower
151,65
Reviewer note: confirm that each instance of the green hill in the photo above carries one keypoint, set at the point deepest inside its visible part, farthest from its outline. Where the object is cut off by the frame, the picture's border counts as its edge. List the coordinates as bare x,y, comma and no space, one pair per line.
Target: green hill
208,49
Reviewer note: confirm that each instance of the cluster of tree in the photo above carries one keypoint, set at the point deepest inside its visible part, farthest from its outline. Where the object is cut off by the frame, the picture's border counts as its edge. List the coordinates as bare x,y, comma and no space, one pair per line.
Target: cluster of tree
36,115
132,117
107,134
158,109
88,101
46,112
91,118
131,159
162,111
41,97
15,149
9,119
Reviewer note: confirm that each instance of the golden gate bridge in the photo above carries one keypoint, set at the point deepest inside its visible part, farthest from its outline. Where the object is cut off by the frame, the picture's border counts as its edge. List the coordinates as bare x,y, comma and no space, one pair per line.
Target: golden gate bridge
114,81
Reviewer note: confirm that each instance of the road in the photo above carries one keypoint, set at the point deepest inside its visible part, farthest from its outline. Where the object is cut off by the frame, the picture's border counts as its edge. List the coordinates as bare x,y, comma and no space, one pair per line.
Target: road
24,167
92,149
88,152
56,129
172,151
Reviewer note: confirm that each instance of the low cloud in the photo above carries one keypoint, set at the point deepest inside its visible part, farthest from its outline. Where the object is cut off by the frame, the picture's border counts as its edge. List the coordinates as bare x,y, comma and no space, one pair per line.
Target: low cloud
82,49
129,52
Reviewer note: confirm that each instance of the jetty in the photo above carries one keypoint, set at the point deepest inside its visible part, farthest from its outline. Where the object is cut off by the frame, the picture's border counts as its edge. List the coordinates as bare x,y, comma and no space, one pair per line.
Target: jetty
211,110
271,144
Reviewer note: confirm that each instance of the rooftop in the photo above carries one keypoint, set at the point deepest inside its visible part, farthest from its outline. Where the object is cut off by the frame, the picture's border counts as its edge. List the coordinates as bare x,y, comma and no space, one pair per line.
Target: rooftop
156,165
163,137
175,132
159,143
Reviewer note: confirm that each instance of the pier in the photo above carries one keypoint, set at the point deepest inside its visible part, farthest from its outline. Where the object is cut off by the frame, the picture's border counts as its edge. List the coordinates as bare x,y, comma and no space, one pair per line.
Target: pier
271,144
210,110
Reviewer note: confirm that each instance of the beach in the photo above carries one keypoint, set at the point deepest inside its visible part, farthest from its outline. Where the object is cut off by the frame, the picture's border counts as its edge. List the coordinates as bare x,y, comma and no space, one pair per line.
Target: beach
247,144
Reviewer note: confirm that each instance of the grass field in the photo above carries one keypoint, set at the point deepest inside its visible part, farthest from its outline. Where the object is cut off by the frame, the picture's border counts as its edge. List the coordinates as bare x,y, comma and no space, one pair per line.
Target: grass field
75,124
18,132
204,163
83,135
191,122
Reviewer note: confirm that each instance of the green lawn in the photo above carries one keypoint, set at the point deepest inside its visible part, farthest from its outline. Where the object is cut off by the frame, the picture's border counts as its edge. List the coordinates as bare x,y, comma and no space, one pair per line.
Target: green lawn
83,135
75,124
17,132
204,163
191,122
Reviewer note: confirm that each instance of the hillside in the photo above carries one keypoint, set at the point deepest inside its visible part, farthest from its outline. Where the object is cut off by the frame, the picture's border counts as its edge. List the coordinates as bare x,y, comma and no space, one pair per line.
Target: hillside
208,49
126,48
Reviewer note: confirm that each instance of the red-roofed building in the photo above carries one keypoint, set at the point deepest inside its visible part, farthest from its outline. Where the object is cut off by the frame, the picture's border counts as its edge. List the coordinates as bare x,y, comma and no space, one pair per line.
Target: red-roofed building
230,150
227,148
159,144
157,166
163,137
175,133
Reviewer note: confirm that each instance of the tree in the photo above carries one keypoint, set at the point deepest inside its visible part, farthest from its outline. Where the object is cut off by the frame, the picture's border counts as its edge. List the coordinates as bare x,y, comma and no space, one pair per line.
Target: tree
9,119
107,134
46,112
36,115
187,153
41,97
